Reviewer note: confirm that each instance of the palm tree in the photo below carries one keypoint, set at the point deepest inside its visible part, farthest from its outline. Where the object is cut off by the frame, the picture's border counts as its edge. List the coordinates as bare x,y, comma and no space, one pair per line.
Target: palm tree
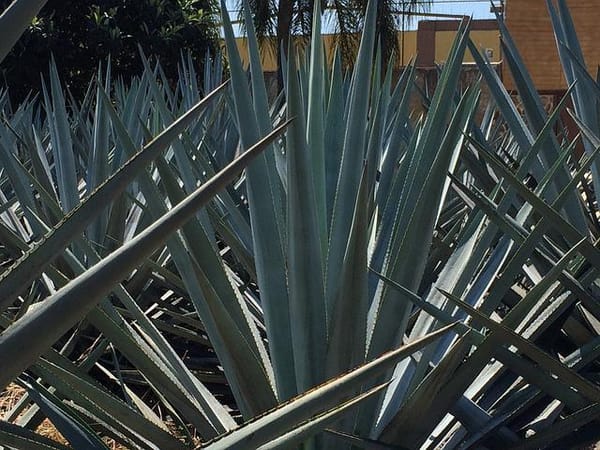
283,18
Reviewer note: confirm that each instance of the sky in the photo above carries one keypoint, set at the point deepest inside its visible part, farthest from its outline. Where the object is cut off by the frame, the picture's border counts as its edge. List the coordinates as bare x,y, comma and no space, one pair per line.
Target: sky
479,9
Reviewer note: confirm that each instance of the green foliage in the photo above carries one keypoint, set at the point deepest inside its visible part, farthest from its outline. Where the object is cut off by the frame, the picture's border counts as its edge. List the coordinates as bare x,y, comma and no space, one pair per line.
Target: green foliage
14,20
374,277
80,34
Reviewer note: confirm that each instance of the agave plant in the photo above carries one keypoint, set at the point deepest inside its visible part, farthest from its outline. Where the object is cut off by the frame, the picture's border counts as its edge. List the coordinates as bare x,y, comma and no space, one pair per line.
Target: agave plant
365,275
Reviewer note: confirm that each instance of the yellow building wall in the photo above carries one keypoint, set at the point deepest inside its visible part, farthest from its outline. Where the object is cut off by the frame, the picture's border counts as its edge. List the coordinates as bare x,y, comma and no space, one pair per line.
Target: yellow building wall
267,53
269,56
408,48
483,39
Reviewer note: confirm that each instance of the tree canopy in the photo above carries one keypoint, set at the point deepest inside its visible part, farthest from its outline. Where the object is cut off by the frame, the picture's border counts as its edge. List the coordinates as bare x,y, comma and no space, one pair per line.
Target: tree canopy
81,33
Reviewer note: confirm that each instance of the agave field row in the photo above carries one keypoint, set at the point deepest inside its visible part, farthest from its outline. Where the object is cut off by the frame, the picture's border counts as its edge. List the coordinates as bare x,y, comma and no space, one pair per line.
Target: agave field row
192,263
